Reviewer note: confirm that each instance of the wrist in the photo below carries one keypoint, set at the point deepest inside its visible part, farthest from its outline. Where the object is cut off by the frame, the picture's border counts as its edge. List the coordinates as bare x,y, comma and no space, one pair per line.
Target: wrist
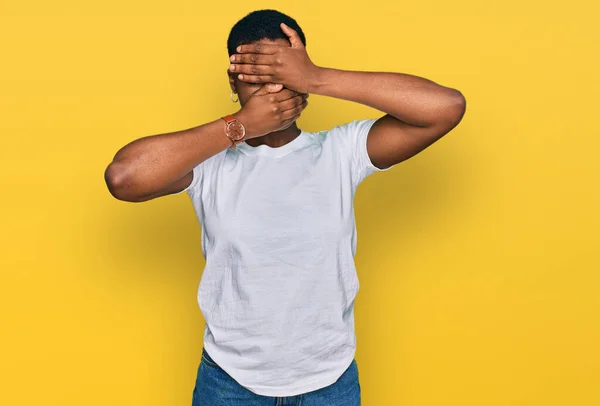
242,118
319,79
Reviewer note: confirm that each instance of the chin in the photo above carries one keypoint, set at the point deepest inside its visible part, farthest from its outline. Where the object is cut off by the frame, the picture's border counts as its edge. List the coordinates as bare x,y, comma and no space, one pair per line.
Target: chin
288,126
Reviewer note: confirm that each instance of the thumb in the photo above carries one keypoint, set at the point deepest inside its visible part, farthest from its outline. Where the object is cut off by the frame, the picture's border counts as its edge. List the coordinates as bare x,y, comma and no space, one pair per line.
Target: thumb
292,35
269,88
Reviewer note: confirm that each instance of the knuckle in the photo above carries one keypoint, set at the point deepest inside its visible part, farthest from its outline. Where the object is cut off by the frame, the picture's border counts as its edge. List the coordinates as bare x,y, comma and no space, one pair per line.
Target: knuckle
257,47
253,58
254,69
271,98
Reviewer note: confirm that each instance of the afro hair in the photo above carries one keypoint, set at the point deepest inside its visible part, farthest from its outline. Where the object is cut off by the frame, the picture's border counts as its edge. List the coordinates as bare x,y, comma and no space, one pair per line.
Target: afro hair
261,24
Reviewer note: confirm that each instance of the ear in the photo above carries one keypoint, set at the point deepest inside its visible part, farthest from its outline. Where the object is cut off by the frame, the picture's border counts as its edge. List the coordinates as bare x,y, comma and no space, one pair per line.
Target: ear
231,81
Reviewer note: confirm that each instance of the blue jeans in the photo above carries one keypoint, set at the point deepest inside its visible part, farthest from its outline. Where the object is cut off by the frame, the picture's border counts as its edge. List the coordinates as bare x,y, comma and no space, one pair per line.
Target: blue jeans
215,387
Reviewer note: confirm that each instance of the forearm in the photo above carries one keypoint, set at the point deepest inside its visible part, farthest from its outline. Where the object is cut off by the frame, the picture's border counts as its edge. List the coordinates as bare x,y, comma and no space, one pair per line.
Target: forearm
411,99
151,163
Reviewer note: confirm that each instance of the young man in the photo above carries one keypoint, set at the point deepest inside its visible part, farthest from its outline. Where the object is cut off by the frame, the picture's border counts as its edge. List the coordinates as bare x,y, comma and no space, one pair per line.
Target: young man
275,206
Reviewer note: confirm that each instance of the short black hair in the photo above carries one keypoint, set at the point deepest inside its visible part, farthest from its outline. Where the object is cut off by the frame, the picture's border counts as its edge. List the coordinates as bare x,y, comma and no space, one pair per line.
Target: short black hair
261,24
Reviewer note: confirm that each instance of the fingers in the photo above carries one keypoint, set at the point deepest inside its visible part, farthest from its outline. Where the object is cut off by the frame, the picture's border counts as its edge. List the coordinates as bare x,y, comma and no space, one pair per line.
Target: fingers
257,59
292,118
294,111
273,87
268,88
251,69
293,36
286,94
255,78
257,48
280,94
293,102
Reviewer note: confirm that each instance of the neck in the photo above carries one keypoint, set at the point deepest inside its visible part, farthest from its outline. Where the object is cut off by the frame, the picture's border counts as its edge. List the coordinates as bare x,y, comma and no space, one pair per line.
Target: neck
276,138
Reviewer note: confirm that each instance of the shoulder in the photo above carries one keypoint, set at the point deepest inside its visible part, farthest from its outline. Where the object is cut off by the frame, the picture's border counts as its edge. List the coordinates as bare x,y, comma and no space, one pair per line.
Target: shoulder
348,133
350,127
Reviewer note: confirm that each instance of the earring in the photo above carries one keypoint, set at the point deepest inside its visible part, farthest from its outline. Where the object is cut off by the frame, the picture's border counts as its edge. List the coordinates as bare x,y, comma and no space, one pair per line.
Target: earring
231,97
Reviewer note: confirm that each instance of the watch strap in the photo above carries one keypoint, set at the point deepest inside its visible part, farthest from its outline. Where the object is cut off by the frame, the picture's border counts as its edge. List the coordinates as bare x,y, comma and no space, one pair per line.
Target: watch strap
229,119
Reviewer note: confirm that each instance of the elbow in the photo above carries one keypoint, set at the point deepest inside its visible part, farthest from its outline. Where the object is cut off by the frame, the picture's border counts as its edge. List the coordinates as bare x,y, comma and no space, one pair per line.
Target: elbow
114,177
118,182
460,106
455,109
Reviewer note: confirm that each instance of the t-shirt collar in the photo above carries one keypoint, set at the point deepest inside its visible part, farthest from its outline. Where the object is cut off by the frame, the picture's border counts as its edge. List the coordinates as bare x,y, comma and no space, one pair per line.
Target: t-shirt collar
301,140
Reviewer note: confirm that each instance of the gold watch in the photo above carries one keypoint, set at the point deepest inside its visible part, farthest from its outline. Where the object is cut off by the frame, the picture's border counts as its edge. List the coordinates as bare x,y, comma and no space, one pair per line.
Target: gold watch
234,130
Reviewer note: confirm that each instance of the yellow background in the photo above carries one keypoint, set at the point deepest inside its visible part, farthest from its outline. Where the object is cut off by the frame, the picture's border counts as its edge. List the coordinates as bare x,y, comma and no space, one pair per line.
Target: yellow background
478,258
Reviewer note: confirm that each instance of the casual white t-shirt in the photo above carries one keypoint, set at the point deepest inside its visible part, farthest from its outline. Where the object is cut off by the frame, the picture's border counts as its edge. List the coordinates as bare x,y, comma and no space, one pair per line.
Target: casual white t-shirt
279,238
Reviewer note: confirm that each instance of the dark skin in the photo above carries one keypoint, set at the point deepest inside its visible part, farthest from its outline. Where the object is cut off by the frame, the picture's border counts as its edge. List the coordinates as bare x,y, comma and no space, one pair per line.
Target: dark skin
162,164
273,78
418,111
246,89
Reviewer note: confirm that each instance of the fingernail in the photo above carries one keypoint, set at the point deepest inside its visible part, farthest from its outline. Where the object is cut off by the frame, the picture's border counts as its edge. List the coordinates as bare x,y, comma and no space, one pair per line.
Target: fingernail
232,58
239,49
232,67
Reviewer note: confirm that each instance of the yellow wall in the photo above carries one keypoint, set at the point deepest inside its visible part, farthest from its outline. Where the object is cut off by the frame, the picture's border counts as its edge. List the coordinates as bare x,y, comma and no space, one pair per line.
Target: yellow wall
478,258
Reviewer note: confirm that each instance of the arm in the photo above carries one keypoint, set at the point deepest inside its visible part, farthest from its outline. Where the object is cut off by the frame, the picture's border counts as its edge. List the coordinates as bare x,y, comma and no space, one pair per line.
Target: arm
418,111
163,164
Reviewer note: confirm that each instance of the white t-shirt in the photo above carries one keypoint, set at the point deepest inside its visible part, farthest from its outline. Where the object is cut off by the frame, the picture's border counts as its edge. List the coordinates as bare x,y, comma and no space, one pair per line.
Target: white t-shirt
279,238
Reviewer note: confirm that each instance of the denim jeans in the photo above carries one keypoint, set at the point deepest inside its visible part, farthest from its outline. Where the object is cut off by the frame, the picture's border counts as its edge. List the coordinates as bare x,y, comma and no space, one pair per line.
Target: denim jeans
215,387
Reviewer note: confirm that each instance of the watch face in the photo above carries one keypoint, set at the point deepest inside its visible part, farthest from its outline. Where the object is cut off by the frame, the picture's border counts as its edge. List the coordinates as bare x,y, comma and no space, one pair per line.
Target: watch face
236,130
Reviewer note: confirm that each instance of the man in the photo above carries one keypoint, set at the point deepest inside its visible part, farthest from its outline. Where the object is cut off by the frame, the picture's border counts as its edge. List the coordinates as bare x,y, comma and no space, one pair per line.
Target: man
275,205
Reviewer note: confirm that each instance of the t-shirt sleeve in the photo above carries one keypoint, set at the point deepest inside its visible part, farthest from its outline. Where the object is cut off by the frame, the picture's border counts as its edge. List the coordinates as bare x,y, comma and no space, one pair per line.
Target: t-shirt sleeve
355,133
198,171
